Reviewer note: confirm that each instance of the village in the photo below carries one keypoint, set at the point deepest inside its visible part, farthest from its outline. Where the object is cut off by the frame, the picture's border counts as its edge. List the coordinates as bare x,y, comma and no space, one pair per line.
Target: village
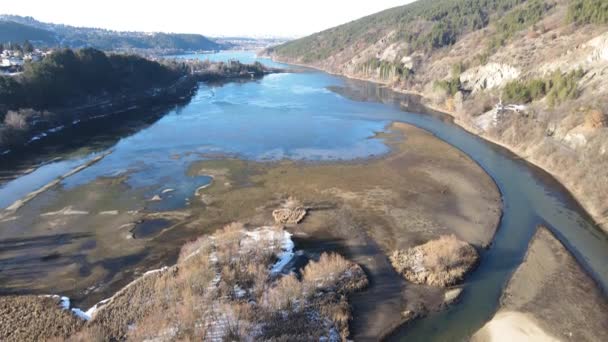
14,56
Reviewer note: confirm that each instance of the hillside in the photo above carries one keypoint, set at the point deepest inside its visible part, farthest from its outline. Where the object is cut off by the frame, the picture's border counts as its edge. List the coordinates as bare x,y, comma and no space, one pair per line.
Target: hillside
531,75
18,29
14,32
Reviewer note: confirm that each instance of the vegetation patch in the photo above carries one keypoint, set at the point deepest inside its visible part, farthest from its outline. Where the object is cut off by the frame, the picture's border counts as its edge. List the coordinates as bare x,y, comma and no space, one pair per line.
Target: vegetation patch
588,12
226,287
445,22
441,262
517,20
35,318
558,88
385,70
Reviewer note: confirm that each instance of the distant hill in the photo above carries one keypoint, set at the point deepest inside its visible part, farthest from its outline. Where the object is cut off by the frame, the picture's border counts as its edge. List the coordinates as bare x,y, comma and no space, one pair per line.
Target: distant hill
18,29
11,31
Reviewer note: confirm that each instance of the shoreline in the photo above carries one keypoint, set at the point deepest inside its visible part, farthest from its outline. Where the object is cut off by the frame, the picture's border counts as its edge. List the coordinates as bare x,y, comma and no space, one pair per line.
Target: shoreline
344,212
601,222
548,297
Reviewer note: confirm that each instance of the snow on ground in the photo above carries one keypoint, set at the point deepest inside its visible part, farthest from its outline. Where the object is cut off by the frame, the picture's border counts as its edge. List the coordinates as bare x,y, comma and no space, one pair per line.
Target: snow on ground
64,302
274,236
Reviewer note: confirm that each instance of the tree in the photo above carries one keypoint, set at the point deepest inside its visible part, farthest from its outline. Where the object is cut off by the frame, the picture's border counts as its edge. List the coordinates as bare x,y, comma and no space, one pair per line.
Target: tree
28,47
16,47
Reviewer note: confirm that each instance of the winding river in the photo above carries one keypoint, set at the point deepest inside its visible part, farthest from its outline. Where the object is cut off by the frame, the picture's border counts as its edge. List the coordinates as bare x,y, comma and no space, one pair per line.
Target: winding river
310,115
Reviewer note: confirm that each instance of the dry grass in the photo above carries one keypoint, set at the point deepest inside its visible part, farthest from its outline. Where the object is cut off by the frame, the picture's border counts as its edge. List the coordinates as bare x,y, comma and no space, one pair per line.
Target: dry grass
447,253
325,273
35,318
440,262
221,288
287,292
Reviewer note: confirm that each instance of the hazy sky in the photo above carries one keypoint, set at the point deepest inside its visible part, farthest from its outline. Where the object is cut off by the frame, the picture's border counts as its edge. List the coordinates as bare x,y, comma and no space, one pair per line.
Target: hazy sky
215,17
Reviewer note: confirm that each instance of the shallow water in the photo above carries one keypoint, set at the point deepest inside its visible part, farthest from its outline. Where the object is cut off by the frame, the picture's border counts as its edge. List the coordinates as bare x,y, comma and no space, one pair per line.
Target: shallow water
315,116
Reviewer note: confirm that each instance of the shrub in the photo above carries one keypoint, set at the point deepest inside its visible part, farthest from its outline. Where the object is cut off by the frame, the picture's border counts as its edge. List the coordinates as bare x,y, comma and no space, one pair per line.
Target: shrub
563,87
451,86
447,252
558,88
287,291
517,91
16,120
325,272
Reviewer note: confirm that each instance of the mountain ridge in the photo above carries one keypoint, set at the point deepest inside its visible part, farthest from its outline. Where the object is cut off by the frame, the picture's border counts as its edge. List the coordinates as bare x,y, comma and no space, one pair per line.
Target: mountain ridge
18,28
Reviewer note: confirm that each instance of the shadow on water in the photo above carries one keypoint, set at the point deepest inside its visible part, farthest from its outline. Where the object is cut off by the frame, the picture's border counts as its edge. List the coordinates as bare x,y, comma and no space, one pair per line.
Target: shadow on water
80,139
149,228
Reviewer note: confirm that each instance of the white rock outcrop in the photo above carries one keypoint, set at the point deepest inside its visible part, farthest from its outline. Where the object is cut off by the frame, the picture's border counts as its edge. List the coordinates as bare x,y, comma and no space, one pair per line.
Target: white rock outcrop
599,45
491,75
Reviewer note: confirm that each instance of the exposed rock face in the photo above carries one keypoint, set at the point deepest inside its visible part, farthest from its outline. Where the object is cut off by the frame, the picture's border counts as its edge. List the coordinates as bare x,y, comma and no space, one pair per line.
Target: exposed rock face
600,48
441,262
491,75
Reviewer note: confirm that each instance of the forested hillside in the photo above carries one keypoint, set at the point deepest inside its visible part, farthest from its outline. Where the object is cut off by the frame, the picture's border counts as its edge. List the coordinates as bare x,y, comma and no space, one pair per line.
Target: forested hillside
17,29
67,74
14,32
531,75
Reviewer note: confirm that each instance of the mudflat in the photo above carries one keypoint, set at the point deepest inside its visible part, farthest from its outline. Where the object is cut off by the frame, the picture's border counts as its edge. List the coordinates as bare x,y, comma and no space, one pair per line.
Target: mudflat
549,298
363,209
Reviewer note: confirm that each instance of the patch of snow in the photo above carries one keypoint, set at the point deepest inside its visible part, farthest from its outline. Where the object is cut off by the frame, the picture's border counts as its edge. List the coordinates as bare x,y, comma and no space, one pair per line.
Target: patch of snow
56,129
239,292
162,269
37,137
66,211
281,236
155,198
64,303
81,314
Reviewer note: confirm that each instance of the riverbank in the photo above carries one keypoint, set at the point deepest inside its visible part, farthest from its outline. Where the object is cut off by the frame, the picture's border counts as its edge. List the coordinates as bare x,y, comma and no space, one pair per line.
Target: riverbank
577,185
362,209
548,298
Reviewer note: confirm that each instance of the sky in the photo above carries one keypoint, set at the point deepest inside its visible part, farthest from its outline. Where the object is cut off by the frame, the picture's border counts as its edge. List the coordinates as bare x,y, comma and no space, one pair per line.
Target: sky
281,18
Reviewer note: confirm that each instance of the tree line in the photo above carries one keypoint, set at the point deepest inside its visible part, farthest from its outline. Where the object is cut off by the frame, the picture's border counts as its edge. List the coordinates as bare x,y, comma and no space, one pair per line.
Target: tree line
66,76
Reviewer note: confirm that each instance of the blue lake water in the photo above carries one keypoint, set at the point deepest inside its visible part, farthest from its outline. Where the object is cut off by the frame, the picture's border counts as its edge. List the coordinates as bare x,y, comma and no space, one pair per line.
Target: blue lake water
310,115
